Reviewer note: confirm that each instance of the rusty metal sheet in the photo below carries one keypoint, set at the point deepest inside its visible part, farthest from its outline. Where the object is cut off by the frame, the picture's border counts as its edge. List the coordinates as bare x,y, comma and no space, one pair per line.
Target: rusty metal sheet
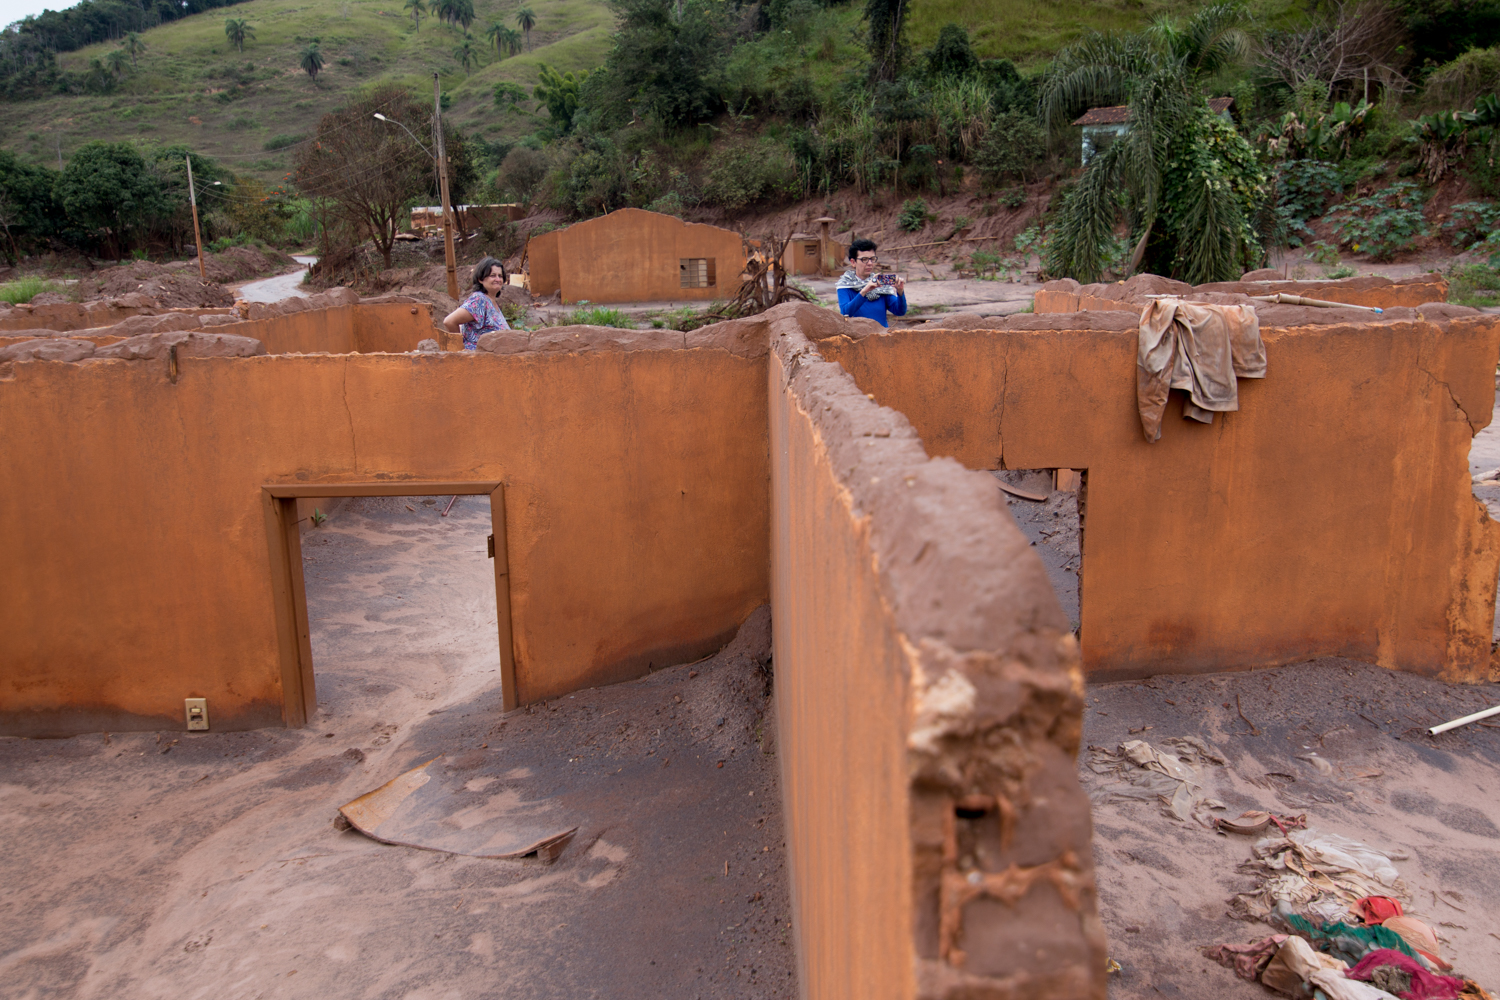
425,809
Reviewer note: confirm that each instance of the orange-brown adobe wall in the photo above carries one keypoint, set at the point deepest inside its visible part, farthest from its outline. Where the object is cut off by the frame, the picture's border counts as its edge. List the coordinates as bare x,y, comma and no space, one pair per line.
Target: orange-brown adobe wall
68,316
1068,296
636,494
1331,515
364,328
631,255
922,661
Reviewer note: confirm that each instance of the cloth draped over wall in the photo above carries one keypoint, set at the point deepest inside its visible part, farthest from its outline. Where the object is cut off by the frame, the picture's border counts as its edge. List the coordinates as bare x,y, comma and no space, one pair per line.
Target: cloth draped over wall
1198,347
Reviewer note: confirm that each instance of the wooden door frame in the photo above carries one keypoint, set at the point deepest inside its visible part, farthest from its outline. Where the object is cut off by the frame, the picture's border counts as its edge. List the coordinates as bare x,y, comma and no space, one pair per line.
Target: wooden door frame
293,639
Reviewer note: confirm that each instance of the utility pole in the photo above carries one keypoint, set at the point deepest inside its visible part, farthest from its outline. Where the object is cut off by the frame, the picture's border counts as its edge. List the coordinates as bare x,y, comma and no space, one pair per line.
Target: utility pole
197,235
442,166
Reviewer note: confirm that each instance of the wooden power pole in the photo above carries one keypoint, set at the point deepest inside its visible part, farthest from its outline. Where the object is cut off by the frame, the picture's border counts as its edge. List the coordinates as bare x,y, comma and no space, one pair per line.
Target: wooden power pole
442,165
197,234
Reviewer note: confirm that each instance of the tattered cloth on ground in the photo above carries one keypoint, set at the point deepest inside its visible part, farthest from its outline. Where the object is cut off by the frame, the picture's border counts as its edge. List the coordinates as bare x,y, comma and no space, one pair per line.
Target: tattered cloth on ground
1152,774
1320,874
1197,347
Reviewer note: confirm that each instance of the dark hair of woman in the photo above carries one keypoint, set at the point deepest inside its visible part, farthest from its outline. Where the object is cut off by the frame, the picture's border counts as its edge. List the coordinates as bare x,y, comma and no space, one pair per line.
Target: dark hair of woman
483,268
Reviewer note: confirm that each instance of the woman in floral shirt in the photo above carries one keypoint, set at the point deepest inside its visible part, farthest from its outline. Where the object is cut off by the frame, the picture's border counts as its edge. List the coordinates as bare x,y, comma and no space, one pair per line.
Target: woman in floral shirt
480,312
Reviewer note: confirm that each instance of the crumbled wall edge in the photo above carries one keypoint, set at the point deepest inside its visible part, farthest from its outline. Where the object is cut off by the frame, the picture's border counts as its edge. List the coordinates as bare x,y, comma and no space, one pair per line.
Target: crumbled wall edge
994,671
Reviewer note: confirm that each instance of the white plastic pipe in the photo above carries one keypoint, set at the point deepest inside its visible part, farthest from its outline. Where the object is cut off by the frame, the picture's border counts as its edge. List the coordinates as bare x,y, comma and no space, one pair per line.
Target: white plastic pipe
1465,720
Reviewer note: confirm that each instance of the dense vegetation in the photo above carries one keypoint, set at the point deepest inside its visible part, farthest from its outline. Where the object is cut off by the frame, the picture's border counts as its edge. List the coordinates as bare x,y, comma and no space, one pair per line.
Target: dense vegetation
1346,116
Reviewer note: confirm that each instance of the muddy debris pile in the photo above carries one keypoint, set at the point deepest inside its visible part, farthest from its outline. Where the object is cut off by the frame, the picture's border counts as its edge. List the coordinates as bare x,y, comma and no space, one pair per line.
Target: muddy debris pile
1337,907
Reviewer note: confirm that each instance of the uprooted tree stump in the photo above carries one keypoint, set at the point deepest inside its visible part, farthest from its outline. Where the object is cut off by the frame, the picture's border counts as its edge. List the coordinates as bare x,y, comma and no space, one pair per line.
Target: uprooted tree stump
765,285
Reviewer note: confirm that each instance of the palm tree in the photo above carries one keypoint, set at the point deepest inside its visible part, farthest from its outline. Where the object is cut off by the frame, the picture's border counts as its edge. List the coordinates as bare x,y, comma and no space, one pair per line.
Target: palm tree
312,61
237,29
116,61
134,46
445,10
526,18
466,54
496,34
507,41
1189,179
464,13
416,7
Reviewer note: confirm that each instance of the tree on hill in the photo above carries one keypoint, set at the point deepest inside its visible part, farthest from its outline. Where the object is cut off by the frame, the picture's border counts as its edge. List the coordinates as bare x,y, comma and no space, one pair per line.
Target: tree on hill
28,213
311,61
237,29
134,46
455,12
887,40
526,18
507,40
417,8
370,170
559,92
107,187
466,54
507,95
953,55
667,63
116,62
1192,182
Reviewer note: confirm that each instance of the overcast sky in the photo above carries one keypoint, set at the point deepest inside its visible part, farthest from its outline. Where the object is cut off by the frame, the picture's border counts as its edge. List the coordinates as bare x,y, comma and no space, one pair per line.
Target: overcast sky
14,10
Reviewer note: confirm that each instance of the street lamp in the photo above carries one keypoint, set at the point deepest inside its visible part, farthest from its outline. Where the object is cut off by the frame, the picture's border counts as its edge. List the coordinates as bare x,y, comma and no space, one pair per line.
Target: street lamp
408,132
441,161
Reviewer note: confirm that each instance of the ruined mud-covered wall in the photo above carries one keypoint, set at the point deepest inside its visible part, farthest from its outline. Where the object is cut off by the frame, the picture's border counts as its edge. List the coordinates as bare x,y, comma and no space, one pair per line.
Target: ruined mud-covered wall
632,255
635,474
69,316
1331,515
928,711
364,328
1068,296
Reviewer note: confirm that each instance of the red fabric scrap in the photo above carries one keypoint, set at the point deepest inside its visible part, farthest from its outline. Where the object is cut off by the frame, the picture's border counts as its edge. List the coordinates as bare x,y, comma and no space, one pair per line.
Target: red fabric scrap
1377,909
1424,985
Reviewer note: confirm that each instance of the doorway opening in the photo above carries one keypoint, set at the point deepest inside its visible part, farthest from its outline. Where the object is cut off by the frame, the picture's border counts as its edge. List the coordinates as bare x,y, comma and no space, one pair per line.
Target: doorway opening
397,569
1048,505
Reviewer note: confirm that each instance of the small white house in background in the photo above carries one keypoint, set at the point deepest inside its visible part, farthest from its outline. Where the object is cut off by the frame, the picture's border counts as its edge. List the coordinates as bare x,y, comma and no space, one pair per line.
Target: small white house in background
1097,123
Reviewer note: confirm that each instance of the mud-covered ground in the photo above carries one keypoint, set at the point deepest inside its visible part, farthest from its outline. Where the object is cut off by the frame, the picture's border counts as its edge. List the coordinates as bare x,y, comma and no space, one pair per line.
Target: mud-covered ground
1432,802
1164,884
180,866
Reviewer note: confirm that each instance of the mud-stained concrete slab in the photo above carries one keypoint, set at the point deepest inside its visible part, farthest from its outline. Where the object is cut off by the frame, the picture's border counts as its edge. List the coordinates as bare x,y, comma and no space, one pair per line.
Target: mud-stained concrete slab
182,865
1164,885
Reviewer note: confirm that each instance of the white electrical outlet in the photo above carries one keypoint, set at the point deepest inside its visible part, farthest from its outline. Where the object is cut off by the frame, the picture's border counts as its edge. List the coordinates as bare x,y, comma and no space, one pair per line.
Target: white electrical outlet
197,713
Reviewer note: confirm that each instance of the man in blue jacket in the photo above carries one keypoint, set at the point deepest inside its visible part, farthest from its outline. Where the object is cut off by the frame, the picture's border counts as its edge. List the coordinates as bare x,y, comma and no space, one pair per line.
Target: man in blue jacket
860,295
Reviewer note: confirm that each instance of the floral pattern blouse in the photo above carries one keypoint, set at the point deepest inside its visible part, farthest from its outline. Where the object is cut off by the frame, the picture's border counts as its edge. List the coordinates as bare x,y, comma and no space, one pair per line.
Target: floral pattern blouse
487,317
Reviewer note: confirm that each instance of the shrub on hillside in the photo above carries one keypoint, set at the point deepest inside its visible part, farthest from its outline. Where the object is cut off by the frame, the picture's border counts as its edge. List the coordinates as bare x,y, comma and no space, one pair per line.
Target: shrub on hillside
1013,146
914,215
1471,222
522,172
1304,189
1382,225
743,173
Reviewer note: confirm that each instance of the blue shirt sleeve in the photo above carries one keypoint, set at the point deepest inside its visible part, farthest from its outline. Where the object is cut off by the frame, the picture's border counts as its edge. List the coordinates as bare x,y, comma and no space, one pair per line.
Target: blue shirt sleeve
849,299
899,309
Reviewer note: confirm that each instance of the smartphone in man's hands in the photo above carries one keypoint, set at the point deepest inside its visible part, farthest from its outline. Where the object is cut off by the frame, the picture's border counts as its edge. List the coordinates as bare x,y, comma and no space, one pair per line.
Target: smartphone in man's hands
885,282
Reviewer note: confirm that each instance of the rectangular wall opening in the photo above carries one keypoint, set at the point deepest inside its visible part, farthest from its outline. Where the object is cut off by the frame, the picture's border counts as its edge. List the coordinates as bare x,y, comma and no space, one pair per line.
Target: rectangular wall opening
1048,505
381,593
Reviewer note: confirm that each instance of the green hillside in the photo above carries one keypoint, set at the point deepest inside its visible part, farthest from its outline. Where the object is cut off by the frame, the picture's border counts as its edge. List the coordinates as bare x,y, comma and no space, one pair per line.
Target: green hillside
1028,33
190,86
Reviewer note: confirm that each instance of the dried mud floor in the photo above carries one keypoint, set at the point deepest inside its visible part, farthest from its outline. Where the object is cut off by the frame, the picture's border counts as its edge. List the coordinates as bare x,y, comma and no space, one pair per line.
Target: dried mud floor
186,866
1165,885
